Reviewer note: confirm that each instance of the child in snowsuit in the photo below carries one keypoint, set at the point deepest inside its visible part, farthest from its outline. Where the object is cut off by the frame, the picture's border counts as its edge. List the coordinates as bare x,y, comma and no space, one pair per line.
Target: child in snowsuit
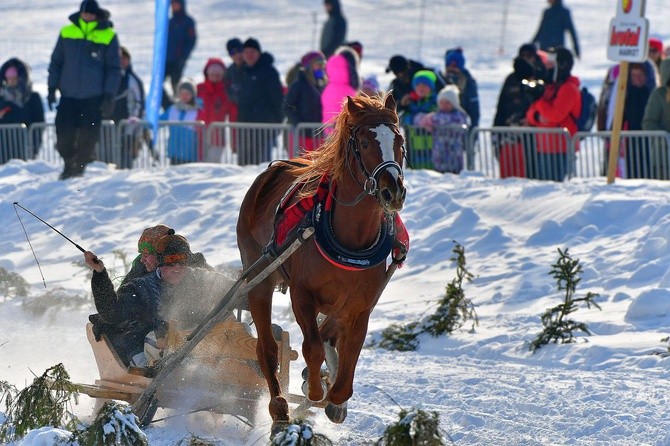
447,125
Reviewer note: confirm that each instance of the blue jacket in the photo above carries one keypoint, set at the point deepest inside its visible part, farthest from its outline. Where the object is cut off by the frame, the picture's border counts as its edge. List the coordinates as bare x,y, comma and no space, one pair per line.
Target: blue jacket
181,35
556,20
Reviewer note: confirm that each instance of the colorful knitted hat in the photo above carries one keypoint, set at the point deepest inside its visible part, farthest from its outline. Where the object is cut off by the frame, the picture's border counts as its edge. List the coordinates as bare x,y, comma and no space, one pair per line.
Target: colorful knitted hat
149,238
426,77
173,249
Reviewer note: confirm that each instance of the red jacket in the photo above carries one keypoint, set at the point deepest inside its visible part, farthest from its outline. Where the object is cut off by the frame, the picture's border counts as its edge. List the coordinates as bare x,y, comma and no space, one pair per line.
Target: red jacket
556,109
215,103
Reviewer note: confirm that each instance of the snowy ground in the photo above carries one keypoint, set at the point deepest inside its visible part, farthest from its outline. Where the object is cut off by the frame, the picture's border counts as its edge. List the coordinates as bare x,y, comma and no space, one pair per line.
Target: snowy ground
486,386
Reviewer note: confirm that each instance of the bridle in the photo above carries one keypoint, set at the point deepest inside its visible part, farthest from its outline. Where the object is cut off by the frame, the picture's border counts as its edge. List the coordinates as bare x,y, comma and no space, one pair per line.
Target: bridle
371,184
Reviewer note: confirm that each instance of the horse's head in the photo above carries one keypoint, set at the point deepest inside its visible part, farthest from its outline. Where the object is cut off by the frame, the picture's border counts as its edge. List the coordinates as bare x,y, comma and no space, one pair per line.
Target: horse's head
378,147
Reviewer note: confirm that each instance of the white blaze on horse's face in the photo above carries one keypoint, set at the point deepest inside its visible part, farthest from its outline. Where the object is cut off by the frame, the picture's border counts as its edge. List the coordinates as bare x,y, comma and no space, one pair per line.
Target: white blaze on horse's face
386,138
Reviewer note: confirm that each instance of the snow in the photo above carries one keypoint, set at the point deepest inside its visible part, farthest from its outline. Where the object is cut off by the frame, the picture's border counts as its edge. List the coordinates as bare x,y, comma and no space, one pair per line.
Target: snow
486,386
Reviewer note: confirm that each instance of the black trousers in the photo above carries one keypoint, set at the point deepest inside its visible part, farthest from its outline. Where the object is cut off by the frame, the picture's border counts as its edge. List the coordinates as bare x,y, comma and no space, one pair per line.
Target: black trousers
78,131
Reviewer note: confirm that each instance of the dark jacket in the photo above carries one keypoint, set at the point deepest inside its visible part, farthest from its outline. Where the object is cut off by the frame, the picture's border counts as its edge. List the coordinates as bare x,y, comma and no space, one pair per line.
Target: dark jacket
233,78
399,87
126,103
261,95
22,105
128,315
515,97
469,96
556,20
181,35
303,101
334,30
85,62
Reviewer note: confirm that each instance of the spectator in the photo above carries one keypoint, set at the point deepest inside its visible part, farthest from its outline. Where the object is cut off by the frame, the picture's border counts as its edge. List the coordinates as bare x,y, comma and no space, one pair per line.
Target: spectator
556,108
519,91
645,71
216,107
19,104
403,69
129,106
456,74
334,30
86,68
260,100
303,100
655,51
183,146
234,73
446,125
356,46
343,81
370,86
181,41
556,20
657,117
420,101
514,98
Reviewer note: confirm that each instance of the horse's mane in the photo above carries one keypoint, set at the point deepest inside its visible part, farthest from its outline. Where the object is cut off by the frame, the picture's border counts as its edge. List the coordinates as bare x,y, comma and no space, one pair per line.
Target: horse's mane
331,157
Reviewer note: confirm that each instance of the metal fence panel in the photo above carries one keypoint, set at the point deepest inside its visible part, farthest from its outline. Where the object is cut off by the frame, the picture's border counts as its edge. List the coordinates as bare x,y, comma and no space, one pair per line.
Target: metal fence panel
496,152
14,142
642,154
525,152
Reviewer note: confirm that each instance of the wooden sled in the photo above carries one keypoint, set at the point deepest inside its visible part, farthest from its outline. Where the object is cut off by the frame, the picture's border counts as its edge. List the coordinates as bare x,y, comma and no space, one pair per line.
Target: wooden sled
221,374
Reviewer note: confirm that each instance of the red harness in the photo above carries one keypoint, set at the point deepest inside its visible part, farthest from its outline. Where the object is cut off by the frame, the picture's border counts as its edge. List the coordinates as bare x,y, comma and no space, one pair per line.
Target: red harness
316,209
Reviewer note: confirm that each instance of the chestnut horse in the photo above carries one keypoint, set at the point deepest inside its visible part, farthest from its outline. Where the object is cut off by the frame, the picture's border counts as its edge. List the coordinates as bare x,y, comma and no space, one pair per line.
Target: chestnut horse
361,161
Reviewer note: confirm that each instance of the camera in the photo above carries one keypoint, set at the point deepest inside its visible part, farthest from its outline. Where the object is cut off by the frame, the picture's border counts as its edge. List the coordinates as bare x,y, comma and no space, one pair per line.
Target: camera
533,88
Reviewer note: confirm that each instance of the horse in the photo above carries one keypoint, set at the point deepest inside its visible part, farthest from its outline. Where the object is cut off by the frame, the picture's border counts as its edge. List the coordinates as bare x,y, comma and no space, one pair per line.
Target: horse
360,167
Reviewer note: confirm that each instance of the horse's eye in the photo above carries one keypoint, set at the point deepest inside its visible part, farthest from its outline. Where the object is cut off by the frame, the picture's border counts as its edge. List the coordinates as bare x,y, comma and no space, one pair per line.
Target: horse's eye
364,144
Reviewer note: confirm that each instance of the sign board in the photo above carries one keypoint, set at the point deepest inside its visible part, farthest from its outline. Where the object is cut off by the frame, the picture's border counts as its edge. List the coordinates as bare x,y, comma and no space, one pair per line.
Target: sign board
628,36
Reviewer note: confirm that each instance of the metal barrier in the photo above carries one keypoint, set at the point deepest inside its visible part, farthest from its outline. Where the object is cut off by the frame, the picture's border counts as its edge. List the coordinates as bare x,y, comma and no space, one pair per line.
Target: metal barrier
526,152
497,152
444,149
14,143
642,154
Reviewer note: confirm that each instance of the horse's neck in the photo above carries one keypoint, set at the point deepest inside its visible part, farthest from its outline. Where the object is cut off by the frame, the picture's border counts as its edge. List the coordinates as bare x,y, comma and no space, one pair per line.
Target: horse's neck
357,226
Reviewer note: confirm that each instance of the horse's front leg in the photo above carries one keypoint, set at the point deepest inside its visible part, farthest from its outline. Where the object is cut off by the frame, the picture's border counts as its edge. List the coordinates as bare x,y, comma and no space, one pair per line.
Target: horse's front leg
312,346
349,347
260,305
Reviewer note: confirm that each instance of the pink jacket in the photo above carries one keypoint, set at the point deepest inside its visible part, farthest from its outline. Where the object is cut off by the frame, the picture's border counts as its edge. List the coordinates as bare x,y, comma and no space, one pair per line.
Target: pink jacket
337,89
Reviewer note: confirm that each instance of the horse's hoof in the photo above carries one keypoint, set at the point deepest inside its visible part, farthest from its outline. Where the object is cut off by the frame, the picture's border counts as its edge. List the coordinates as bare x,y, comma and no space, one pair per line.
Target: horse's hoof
336,413
278,426
305,390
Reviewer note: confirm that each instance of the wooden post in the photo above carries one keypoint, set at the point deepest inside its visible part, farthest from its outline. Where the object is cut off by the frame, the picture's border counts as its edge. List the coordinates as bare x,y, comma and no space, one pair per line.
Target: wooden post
615,140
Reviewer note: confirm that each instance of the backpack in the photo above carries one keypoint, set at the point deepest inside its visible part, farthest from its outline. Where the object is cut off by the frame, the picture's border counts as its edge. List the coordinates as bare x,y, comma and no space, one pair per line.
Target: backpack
588,115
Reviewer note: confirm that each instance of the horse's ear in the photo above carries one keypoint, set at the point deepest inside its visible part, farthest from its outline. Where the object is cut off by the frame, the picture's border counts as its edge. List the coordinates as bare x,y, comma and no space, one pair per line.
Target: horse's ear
351,106
390,102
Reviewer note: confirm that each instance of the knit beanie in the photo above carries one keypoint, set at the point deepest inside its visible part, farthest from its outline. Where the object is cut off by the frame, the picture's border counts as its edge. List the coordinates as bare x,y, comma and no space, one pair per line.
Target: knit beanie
450,93
234,45
657,44
426,77
149,238
310,57
454,56
90,6
173,249
252,43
